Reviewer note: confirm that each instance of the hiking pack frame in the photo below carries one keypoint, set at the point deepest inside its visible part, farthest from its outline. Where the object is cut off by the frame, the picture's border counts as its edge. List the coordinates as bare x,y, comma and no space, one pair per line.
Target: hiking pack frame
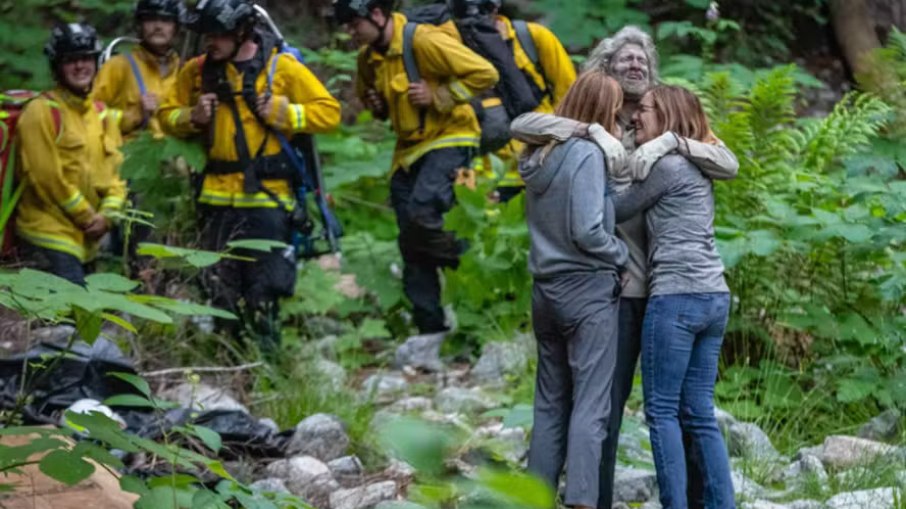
302,150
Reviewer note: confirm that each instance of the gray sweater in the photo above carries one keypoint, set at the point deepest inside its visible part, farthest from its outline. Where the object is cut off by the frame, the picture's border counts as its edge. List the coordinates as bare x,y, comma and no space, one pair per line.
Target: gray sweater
570,220
679,217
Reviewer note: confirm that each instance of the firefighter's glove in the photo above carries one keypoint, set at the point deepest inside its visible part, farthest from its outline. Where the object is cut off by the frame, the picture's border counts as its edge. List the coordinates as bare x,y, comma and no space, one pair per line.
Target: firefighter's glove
275,111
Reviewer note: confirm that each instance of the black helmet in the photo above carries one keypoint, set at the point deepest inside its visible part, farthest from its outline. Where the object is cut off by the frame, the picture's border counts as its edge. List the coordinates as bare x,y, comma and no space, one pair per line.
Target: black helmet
345,11
222,16
171,9
74,39
471,8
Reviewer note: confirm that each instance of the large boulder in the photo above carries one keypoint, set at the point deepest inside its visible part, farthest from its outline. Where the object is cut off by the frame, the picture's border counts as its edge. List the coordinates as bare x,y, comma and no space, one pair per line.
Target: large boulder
841,452
363,497
746,487
332,373
202,397
322,436
799,471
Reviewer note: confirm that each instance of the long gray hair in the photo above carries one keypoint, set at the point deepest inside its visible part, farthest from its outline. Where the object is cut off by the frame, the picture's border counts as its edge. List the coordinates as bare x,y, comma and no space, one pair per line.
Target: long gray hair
600,57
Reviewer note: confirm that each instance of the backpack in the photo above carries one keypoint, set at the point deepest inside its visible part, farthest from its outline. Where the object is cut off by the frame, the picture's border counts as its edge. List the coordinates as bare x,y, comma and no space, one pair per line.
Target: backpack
12,103
528,45
300,150
514,94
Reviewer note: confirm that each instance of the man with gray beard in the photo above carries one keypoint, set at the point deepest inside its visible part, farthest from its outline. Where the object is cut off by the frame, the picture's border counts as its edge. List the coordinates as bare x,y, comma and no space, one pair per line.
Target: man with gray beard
631,58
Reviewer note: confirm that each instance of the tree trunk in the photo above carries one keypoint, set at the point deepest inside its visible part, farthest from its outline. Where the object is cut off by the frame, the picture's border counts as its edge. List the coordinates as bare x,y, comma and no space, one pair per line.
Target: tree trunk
855,31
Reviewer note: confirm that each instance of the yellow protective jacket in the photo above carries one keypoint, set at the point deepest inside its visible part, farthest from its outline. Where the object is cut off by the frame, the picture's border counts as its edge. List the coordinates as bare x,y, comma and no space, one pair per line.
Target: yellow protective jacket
453,71
70,174
301,104
117,87
556,75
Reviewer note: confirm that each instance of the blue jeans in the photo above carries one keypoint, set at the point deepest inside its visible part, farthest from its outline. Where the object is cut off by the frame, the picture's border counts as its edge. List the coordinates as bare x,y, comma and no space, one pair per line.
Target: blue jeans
681,340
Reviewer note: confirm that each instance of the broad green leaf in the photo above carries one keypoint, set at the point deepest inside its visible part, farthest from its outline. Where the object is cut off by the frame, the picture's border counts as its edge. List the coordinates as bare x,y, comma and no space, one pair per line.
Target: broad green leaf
88,324
66,467
210,437
217,468
132,484
110,282
98,454
257,244
135,381
129,400
119,321
521,489
418,443
850,390
161,497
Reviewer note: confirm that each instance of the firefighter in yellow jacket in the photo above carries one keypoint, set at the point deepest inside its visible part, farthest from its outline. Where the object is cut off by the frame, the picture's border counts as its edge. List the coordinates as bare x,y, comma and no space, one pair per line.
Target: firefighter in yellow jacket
539,54
240,97
437,134
69,162
136,82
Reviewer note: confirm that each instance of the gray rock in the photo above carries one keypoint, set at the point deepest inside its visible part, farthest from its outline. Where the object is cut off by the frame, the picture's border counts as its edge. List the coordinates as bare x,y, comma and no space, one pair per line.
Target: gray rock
332,372
805,504
761,504
202,397
883,427
421,352
806,466
746,487
304,476
881,498
326,347
747,440
634,485
385,385
347,469
415,404
511,443
400,471
363,497
841,452
270,423
651,504
322,436
54,334
809,451
460,400
724,419
398,504
499,359
270,484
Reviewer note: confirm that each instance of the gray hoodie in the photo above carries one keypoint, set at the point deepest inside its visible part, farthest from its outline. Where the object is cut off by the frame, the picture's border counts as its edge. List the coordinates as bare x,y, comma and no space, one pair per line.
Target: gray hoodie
570,219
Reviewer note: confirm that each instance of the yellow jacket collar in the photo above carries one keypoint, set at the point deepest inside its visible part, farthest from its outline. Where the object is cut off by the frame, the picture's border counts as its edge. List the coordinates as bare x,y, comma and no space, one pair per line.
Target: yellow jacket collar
510,31
153,60
77,103
396,41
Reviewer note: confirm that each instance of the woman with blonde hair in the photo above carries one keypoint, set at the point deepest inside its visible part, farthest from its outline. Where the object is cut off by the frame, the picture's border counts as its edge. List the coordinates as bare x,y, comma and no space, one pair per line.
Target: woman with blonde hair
688,305
575,261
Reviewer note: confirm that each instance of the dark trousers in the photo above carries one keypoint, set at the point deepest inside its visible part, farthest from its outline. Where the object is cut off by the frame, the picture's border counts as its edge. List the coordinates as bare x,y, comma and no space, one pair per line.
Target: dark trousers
58,263
575,323
420,197
632,315
249,289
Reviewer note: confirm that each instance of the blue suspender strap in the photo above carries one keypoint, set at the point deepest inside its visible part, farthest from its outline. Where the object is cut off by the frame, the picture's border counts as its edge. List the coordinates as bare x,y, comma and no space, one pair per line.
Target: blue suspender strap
140,81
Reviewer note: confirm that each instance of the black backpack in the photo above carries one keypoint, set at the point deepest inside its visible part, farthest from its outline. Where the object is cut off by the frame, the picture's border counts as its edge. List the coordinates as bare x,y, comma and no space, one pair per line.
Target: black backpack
516,92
